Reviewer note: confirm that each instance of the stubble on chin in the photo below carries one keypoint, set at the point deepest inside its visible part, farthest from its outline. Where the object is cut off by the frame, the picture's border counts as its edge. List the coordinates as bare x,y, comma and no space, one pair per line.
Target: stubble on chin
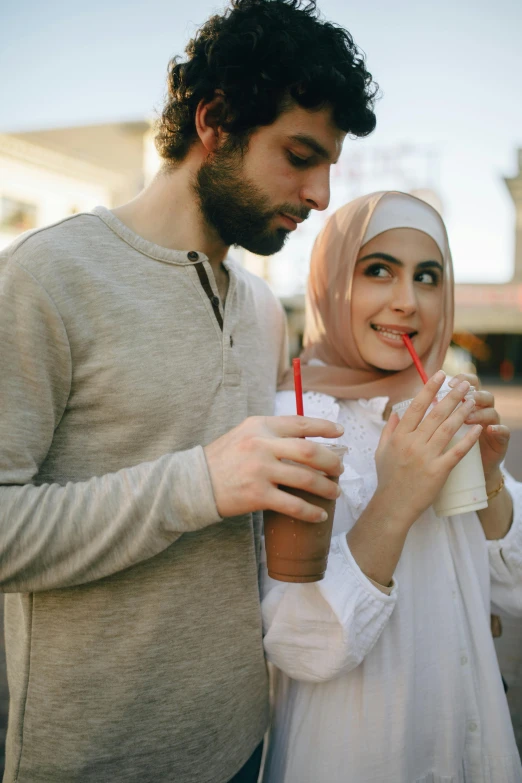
235,207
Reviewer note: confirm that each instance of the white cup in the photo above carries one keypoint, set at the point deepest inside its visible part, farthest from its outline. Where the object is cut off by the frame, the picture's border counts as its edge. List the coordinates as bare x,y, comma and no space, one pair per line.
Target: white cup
465,487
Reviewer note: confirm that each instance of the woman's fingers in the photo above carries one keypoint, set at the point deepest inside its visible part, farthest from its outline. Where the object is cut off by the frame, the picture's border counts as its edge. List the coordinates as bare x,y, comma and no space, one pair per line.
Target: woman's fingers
443,434
444,408
484,416
420,404
388,430
472,379
454,455
484,399
500,432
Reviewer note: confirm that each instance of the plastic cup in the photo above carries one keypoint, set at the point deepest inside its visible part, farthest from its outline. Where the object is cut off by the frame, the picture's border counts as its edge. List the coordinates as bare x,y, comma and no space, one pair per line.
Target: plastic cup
297,551
465,487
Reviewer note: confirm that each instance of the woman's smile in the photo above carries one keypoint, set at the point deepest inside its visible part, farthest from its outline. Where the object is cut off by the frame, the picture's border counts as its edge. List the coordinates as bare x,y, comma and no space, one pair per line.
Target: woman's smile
396,291
392,335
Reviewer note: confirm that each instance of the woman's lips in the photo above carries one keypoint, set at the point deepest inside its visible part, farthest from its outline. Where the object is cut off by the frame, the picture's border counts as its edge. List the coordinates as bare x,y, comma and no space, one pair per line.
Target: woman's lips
392,335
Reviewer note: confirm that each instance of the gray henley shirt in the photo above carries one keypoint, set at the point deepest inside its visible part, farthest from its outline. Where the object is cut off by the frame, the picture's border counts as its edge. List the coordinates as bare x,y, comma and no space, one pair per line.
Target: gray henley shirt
133,630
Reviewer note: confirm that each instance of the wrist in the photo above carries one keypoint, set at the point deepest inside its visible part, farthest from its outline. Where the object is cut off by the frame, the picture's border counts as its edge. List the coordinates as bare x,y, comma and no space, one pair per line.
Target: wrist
493,479
386,509
397,516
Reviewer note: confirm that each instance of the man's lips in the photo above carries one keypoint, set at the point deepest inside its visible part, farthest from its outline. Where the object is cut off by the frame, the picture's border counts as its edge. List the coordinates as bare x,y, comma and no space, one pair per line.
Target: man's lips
290,220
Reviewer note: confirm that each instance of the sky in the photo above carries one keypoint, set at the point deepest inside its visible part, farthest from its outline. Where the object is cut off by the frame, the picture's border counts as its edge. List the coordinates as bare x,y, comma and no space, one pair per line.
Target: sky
449,117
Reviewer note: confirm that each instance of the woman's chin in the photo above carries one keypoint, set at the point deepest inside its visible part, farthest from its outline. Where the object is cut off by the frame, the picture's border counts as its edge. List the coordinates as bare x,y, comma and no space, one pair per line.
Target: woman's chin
391,365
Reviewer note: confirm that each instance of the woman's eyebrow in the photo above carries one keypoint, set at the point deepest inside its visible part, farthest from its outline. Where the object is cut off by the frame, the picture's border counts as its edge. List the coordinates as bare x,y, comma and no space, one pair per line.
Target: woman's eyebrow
426,264
381,257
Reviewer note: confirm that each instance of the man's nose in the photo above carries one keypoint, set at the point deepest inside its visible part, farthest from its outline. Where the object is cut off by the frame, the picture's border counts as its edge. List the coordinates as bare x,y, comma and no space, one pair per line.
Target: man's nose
315,193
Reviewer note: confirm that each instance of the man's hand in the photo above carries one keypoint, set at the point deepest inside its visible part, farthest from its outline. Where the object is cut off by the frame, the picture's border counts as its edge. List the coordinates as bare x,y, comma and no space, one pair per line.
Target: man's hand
246,466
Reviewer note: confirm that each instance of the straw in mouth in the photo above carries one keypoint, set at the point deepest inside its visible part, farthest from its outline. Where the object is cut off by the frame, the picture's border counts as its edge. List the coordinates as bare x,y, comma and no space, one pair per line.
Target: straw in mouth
416,361
298,386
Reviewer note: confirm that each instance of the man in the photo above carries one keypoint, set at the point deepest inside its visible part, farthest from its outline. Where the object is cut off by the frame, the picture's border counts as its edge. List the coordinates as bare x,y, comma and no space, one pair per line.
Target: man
138,367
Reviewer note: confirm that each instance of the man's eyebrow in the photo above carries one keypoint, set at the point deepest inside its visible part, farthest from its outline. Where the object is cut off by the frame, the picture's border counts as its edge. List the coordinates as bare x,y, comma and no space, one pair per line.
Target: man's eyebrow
303,138
393,260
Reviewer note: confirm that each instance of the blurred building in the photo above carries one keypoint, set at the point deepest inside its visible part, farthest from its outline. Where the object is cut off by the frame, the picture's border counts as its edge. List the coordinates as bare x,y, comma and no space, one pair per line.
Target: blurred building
488,321
47,175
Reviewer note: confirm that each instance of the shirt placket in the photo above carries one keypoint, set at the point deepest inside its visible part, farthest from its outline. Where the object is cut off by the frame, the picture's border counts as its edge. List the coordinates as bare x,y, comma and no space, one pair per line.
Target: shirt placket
225,316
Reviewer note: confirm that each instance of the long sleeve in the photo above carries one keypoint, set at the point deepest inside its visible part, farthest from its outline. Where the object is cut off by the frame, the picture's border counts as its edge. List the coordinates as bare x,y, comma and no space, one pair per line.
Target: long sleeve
318,631
55,535
505,558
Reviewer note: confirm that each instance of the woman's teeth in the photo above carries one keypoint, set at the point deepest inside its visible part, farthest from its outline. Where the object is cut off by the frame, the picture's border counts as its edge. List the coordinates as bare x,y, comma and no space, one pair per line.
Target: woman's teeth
391,334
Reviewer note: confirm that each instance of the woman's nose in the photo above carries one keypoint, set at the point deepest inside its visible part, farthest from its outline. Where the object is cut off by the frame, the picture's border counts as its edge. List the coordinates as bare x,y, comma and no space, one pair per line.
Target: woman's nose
404,300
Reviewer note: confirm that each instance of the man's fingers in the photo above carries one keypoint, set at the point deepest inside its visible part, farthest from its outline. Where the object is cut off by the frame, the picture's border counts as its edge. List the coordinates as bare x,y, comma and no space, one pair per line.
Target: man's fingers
302,427
306,479
308,452
293,506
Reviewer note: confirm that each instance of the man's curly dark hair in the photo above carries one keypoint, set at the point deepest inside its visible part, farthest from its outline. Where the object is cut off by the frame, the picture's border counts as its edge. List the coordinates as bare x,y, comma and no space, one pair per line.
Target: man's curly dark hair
259,54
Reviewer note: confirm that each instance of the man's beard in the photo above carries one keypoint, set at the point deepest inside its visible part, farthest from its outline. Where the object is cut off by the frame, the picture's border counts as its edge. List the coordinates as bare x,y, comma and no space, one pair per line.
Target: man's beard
236,208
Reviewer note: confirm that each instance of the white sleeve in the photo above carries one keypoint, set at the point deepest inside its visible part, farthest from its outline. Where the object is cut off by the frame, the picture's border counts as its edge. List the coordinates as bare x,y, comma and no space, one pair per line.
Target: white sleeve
320,630
505,557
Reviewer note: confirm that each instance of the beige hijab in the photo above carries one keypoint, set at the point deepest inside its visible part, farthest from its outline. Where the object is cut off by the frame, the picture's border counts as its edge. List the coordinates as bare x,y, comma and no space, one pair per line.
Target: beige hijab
328,335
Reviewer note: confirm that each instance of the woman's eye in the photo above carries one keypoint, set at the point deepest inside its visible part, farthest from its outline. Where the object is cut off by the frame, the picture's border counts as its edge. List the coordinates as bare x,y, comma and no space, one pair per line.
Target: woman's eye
296,161
428,278
377,270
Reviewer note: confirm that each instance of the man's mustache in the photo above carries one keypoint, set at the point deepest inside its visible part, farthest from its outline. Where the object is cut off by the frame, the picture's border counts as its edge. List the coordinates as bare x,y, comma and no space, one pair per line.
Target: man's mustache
301,213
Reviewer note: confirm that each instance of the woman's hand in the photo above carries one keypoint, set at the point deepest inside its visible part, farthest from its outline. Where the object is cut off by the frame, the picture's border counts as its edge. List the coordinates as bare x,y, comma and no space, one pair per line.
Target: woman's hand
412,464
494,440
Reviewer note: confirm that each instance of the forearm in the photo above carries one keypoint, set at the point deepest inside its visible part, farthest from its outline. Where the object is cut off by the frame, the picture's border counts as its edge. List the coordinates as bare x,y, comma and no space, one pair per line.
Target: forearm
56,536
497,518
376,541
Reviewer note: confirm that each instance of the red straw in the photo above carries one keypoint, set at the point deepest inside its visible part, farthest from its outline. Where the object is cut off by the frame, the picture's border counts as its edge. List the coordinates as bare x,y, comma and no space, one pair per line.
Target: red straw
416,361
298,386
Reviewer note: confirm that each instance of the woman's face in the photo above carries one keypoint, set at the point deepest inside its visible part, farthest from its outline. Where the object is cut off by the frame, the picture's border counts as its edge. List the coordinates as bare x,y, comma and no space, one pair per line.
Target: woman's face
397,289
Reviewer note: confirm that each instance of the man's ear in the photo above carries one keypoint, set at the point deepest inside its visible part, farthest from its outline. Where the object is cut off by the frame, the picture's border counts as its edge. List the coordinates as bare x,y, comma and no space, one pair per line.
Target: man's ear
209,119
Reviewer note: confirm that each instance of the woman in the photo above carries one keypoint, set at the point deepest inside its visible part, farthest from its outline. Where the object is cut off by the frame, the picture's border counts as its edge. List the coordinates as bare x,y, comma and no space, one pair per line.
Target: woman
385,671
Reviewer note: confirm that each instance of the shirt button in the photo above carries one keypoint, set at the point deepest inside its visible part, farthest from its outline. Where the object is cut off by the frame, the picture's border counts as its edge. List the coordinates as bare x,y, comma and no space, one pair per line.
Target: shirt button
192,255
464,660
231,341
215,301
472,726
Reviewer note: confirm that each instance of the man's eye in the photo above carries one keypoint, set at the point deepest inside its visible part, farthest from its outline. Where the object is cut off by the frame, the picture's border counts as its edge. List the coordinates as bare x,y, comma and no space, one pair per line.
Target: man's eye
296,161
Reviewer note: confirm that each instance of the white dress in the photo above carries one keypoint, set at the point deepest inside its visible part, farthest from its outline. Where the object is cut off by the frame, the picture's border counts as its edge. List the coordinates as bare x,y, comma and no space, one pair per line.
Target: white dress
399,688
